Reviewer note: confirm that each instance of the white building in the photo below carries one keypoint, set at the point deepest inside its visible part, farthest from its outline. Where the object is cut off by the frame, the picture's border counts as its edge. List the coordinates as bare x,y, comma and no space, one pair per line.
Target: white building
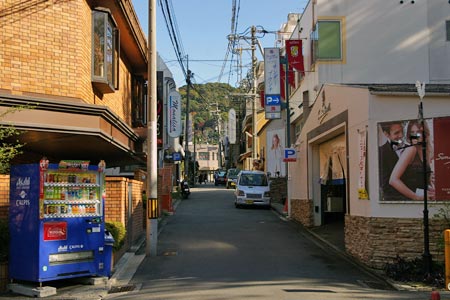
362,60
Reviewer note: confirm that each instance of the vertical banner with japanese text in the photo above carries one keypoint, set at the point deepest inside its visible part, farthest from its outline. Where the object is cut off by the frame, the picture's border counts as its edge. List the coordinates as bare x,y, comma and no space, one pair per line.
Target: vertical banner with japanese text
272,98
362,153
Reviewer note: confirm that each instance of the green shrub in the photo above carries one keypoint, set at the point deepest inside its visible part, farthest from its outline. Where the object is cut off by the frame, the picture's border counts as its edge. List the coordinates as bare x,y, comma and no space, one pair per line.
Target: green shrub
118,232
4,240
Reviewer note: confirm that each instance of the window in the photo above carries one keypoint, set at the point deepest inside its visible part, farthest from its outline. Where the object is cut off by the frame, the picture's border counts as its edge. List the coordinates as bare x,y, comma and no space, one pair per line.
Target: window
326,40
203,155
138,101
447,30
105,52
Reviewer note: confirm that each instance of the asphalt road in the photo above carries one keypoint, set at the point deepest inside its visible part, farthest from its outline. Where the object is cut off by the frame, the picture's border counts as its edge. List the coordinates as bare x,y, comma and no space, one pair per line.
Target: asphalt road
210,250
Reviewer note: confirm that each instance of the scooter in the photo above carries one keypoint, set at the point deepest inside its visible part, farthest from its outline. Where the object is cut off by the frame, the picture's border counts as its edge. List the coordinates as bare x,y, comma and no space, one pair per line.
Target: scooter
185,190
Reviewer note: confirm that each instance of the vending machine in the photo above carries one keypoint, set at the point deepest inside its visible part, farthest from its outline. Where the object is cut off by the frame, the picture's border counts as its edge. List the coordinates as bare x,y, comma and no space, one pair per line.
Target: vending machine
57,221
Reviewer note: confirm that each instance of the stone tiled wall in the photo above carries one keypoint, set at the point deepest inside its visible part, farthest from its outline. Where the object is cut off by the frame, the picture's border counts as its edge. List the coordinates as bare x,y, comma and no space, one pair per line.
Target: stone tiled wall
302,211
377,241
278,190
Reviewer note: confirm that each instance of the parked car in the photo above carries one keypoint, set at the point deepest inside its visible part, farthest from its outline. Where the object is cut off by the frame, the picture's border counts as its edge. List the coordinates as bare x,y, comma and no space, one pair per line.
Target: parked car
232,175
252,188
220,177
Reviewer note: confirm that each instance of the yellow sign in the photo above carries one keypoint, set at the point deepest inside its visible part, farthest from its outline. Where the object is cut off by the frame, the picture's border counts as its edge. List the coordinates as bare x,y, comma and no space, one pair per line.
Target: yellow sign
152,209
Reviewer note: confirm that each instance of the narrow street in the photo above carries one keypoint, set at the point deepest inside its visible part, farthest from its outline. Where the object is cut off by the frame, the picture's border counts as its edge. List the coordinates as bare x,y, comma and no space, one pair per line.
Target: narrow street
210,250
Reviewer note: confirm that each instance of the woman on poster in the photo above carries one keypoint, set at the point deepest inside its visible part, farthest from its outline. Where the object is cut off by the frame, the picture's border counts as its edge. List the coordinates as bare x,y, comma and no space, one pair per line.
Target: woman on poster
277,155
407,176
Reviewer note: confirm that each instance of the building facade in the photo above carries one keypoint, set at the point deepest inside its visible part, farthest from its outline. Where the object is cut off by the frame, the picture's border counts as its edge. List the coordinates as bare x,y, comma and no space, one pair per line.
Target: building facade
78,69
355,82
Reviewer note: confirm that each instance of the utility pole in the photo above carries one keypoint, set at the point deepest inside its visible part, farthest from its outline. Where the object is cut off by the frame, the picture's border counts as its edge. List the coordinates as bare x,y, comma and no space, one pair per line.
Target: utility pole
152,158
253,91
186,135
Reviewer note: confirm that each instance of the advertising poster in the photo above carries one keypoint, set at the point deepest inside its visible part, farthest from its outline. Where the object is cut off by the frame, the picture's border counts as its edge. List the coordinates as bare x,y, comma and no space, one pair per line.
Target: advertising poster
401,160
275,153
441,159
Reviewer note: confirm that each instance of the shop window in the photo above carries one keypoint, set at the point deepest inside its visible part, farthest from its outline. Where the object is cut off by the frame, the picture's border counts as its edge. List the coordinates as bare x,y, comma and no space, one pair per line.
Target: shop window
105,51
326,40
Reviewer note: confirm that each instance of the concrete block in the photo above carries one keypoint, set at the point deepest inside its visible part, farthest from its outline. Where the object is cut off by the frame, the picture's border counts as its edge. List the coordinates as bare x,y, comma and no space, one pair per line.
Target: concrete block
32,291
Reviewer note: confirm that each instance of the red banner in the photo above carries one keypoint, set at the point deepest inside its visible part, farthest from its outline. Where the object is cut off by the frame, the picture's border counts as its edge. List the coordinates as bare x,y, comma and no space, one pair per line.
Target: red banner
442,158
295,55
283,81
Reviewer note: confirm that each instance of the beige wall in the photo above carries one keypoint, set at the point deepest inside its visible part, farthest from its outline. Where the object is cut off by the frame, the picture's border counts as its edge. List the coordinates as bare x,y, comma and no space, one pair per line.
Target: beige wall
305,172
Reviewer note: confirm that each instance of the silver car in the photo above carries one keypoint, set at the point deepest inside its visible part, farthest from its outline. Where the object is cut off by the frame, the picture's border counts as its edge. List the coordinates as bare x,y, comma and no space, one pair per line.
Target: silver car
252,189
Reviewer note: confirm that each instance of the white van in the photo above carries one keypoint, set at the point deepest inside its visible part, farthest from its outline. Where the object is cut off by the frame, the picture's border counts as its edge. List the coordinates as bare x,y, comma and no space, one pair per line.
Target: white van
252,189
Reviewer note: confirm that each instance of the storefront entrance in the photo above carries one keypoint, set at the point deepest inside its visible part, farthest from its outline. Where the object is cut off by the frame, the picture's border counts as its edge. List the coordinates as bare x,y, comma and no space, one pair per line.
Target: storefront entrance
333,167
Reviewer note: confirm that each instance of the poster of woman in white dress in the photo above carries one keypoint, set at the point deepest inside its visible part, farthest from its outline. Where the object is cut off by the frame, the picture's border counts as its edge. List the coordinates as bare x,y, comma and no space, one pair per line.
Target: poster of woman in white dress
275,148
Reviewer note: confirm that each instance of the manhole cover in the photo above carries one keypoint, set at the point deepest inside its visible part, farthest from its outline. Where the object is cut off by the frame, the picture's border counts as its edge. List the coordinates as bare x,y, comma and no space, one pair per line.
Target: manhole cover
121,289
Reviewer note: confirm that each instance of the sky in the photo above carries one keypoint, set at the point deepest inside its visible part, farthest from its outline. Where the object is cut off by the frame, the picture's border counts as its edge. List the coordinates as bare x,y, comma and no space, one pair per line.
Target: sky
203,27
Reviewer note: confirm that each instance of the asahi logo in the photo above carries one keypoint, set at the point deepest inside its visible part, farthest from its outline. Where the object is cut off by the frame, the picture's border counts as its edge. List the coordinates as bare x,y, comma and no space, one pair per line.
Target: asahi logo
62,248
23,182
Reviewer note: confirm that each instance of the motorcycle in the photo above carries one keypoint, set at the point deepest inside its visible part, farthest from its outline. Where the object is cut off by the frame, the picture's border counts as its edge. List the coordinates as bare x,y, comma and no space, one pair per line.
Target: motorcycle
185,190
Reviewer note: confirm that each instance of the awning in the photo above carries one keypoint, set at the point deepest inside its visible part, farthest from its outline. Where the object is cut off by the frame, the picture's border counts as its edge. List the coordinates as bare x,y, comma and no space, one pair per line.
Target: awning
207,169
245,155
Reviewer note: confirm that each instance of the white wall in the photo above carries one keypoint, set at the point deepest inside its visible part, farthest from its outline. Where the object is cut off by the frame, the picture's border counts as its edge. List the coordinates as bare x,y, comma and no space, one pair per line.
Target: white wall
385,41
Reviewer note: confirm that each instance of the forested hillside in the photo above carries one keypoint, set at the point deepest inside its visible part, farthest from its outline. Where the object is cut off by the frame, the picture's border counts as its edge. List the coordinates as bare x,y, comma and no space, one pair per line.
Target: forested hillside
208,101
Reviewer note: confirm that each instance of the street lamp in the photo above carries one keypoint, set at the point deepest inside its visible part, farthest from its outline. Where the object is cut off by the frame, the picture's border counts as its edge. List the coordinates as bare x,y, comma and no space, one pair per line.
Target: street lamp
426,240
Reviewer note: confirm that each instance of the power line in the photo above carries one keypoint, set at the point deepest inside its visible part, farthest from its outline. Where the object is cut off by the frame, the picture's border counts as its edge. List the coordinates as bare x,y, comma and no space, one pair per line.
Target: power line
174,34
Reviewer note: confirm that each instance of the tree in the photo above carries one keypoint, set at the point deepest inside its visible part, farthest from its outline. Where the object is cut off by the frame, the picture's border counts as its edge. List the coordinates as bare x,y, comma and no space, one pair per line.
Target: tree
10,146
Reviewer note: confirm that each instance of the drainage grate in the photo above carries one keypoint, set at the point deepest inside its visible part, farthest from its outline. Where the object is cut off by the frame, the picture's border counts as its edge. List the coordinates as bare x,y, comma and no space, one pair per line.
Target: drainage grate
121,289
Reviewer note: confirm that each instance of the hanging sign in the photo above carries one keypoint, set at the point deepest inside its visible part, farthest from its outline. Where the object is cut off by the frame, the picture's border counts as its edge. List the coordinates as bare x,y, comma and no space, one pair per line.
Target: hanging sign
272,101
174,114
232,126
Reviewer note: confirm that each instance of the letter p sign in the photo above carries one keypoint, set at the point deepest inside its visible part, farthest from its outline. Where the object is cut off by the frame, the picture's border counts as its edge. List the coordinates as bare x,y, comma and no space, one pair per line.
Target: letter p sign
290,155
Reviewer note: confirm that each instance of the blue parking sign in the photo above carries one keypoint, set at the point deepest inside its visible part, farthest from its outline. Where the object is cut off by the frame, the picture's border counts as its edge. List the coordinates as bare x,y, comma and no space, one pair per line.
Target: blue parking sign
272,100
290,155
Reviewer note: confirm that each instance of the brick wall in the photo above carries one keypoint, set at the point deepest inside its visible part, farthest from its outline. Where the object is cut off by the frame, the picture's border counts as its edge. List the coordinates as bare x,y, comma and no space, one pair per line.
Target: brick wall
116,206
43,50
4,196
377,241
46,52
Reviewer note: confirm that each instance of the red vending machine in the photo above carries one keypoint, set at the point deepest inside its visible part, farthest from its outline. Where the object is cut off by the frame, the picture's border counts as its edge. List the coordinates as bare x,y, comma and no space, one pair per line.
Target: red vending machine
57,221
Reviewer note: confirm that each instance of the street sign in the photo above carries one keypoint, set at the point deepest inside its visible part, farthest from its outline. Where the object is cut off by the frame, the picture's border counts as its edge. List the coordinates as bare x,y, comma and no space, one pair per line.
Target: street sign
272,106
176,156
290,155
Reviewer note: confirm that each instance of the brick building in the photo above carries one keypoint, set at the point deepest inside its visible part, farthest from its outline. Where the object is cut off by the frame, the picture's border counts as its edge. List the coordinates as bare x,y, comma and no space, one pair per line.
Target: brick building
81,66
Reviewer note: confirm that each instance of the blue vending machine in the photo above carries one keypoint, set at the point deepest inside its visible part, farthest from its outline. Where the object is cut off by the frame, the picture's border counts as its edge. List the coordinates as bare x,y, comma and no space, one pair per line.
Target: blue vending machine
57,221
